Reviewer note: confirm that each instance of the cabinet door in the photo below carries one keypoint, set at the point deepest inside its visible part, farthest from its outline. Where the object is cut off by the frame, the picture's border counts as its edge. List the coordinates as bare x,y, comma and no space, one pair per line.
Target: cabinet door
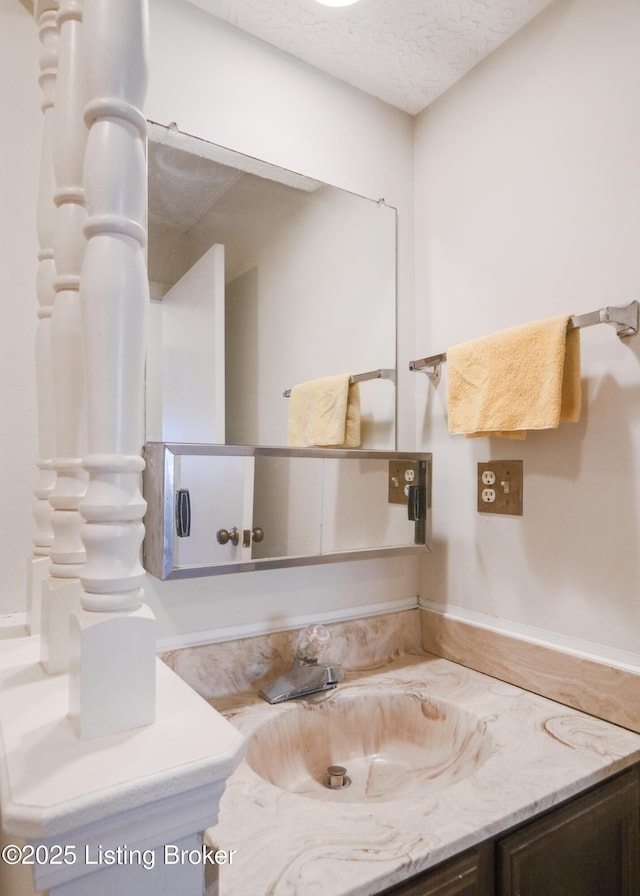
470,874
588,848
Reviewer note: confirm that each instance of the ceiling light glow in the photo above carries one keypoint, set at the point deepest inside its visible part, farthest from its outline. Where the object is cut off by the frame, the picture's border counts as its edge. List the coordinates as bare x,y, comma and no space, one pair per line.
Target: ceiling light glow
337,2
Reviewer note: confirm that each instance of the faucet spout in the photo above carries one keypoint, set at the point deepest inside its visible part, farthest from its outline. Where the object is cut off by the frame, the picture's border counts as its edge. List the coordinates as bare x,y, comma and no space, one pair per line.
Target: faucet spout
307,675
302,680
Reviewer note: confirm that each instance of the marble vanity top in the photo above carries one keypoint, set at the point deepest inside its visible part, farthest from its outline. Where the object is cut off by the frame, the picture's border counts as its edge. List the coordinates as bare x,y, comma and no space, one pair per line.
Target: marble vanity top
286,843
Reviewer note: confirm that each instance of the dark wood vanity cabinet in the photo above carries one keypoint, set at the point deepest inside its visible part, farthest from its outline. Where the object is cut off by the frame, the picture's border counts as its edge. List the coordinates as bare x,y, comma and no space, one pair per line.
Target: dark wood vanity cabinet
589,846
470,874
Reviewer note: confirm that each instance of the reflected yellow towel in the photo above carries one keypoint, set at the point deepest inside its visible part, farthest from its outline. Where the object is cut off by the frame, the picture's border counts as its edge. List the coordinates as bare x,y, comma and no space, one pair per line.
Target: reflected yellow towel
325,413
518,379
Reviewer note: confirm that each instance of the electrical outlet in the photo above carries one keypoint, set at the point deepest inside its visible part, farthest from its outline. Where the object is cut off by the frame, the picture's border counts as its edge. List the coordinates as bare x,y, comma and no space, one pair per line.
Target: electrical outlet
402,473
500,486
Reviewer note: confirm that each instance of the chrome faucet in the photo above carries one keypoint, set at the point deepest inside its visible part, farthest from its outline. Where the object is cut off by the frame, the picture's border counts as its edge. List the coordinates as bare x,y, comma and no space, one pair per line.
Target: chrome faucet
307,675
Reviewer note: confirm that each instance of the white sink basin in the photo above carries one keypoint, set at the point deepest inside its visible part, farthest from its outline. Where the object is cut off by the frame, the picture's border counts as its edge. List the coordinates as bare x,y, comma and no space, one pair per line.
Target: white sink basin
394,745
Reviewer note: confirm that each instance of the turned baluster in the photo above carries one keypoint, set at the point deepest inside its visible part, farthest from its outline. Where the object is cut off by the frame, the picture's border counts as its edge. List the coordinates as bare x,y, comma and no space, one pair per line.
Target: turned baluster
61,590
38,567
112,682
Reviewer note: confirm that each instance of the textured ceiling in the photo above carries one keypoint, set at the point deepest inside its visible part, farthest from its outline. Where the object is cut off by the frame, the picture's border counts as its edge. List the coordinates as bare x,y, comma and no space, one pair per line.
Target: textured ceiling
405,52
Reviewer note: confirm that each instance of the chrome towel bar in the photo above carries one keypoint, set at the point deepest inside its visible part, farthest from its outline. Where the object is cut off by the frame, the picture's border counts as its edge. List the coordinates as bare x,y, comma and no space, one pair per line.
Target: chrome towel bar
382,373
623,317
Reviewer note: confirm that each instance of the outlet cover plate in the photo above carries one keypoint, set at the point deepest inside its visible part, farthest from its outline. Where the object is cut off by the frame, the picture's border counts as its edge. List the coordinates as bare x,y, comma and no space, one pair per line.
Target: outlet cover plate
504,493
402,474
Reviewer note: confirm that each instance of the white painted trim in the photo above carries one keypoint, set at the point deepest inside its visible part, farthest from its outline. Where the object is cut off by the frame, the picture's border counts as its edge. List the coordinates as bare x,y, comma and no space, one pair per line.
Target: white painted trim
14,625
621,659
78,784
146,827
266,627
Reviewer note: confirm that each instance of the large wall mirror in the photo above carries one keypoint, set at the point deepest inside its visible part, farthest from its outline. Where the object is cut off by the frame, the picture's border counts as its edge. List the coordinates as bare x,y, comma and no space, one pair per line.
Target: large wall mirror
261,279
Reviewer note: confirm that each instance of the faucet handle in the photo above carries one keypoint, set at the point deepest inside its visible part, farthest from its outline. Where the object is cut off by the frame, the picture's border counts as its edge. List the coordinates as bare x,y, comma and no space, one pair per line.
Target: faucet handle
312,643
335,673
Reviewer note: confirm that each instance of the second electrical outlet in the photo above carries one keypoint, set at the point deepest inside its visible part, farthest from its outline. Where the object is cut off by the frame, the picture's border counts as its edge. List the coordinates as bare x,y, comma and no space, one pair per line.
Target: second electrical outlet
500,484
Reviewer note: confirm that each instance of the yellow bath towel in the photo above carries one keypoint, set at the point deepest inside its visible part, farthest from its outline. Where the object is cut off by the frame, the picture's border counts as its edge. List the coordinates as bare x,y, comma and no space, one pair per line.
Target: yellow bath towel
325,413
518,379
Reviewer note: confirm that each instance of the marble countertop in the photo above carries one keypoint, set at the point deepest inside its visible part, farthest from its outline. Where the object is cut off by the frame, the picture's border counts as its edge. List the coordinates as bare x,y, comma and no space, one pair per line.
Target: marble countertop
286,843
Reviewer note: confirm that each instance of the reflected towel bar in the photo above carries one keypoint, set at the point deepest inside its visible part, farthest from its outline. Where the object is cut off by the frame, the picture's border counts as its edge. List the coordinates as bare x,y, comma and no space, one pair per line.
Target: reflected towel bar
383,373
623,317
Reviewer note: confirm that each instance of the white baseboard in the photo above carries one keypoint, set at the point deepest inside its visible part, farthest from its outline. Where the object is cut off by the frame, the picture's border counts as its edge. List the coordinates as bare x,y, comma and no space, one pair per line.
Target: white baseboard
14,625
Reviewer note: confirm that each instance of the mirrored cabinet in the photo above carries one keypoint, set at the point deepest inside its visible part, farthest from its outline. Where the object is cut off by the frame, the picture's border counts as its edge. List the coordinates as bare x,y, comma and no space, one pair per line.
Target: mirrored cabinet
225,508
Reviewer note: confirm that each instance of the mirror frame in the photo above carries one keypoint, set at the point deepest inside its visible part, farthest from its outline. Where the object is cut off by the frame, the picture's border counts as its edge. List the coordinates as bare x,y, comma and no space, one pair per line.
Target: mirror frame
159,487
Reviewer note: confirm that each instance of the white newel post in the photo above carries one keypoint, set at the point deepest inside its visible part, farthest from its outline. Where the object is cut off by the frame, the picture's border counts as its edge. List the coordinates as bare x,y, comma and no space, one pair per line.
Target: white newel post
112,669
61,590
38,566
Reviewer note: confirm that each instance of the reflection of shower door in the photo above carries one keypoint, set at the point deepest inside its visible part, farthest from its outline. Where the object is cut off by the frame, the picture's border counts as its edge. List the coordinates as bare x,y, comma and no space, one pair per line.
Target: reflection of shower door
193,399
221,497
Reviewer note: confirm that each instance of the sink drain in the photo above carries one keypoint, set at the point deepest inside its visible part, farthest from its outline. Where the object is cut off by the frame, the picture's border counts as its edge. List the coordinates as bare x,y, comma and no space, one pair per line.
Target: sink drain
336,777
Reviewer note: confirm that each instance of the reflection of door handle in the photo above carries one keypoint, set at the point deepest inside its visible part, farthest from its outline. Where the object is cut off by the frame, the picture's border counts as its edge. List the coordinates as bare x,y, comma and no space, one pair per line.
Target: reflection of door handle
223,536
183,513
247,534
416,503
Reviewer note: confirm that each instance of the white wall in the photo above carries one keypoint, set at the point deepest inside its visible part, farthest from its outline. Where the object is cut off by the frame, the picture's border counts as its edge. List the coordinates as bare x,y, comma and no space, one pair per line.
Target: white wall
229,88
20,156
527,206
236,91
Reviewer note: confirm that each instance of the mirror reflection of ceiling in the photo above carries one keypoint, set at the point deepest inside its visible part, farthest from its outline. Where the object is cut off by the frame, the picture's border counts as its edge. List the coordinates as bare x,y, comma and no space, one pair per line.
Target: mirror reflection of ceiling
195,200
184,186
405,52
